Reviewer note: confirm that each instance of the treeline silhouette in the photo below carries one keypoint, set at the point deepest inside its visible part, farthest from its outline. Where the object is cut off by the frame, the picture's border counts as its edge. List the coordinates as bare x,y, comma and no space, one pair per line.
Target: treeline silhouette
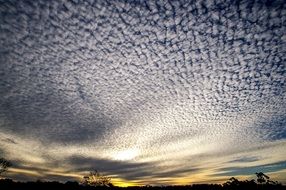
8,184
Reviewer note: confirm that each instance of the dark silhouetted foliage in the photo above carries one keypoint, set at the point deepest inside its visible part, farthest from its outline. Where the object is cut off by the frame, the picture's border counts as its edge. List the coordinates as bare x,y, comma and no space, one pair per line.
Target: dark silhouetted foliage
261,177
4,165
263,182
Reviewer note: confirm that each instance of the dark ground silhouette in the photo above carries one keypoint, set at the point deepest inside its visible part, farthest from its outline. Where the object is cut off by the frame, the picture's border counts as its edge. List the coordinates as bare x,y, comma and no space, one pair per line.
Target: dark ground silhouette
8,184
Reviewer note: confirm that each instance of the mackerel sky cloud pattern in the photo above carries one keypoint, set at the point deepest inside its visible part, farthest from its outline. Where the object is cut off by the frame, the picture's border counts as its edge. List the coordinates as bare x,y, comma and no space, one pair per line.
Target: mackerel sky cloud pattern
142,90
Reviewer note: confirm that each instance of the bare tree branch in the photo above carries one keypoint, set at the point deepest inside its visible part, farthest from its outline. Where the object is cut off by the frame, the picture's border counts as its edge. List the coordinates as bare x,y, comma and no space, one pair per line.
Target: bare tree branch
4,165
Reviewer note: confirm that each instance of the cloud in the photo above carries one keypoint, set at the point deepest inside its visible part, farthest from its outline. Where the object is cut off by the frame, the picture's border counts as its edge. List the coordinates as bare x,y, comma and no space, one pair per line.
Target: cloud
124,169
274,128
233,171
246,159
174,80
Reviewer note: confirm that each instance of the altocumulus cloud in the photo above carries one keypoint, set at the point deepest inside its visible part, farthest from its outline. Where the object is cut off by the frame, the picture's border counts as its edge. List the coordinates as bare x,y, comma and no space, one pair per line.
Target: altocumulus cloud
176,89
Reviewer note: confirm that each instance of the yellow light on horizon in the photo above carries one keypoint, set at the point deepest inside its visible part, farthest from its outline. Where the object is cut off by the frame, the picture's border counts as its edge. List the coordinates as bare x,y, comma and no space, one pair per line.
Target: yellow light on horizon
125,184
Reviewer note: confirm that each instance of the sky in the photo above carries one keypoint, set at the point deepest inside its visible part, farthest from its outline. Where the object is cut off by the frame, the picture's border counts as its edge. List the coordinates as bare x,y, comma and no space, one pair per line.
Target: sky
146,92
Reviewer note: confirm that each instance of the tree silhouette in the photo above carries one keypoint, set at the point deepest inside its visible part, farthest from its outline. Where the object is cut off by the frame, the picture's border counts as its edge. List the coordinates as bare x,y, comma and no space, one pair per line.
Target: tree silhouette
262,181
261,177
232,182
4,165
96,179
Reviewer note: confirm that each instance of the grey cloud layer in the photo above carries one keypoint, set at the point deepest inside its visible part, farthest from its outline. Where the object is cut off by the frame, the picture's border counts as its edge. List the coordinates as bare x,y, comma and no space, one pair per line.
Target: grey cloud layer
79,72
